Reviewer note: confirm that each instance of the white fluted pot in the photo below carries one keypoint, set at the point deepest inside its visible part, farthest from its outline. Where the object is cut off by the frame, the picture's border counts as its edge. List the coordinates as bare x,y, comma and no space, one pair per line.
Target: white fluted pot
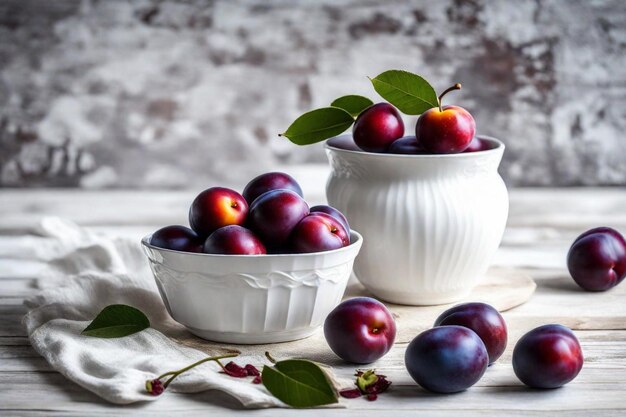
431,223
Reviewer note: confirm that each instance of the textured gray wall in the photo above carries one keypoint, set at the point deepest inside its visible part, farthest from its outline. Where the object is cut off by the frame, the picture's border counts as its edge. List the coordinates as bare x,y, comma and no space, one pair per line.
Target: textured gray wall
169,94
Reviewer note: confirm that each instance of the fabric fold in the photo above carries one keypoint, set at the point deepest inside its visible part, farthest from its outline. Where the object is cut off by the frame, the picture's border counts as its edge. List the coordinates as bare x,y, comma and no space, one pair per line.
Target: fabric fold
83,272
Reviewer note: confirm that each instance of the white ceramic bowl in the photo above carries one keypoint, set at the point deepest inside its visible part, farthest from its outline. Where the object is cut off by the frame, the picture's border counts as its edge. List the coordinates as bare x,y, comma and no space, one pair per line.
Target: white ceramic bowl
251,298
431,223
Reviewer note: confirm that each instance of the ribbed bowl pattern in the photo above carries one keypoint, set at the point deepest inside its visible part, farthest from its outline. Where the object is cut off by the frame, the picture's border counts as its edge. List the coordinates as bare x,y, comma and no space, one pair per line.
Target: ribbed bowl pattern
431,223
251,299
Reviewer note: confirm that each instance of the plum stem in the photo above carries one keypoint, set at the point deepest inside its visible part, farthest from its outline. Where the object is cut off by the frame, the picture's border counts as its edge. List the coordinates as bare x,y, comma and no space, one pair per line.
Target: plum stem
269,357
174,374
456,86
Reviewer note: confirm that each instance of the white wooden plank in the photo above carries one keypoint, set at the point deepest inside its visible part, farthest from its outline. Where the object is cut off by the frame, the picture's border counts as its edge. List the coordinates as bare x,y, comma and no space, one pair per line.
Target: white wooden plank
11,319
569,208
16,287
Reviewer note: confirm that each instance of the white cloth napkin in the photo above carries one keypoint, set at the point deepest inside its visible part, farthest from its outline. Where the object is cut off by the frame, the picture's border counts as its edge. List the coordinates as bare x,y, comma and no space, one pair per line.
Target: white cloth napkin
84,272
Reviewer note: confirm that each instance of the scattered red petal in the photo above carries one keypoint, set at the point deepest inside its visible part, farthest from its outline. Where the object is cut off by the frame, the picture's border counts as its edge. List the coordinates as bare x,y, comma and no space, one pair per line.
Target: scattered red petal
234,370
252,370
372,397
155,387
257,379
379,386
350,393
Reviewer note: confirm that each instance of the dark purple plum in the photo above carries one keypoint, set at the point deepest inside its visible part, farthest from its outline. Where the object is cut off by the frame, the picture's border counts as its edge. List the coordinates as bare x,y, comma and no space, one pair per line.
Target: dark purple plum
484,320
344,142
408,145
318,232
446,359
275,214
179,238
597,259
334,213
547,357
234,240
360,330
268,182
377,127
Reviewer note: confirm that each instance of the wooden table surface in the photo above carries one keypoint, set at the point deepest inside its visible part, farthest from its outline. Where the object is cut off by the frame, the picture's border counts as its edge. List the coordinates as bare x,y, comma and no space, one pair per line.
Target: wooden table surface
542,224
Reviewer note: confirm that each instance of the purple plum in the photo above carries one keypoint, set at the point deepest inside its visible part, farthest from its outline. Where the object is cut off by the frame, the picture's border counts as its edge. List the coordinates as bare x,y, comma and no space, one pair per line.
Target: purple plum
446,359
597,259
547,357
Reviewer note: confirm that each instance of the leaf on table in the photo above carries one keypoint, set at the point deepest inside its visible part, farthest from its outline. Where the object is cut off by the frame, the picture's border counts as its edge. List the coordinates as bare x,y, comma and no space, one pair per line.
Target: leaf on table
353,104
317,125
409,92
299,383
117,320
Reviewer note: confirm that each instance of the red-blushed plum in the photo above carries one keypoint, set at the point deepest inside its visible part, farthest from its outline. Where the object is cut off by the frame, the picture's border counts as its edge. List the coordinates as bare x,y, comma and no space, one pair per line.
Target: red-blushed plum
274,215
477,145
234,240
179,238
268,182
318,232
408,145
377,127
597,259
360,330
447,129
547,357
446,359
484,320
344,142
216,207
322,208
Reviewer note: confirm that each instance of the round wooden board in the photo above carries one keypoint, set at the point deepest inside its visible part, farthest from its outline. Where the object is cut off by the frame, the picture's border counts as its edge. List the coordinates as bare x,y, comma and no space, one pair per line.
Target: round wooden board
501,288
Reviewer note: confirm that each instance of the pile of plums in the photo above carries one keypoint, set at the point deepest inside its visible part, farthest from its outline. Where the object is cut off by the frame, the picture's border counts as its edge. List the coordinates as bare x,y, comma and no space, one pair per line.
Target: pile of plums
454,355
439,130
467,338
270,216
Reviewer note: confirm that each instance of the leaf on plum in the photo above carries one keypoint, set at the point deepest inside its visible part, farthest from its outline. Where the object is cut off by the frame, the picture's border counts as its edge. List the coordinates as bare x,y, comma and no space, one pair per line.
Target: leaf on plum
318,125
409,92
353,104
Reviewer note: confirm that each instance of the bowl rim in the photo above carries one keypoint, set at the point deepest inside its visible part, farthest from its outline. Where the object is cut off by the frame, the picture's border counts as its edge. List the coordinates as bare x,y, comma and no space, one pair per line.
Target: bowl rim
355,239
500,146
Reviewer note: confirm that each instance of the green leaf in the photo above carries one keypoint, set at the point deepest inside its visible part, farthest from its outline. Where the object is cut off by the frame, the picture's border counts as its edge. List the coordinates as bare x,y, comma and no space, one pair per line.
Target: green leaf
353,104
299,383
318,125
409,92
117,320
